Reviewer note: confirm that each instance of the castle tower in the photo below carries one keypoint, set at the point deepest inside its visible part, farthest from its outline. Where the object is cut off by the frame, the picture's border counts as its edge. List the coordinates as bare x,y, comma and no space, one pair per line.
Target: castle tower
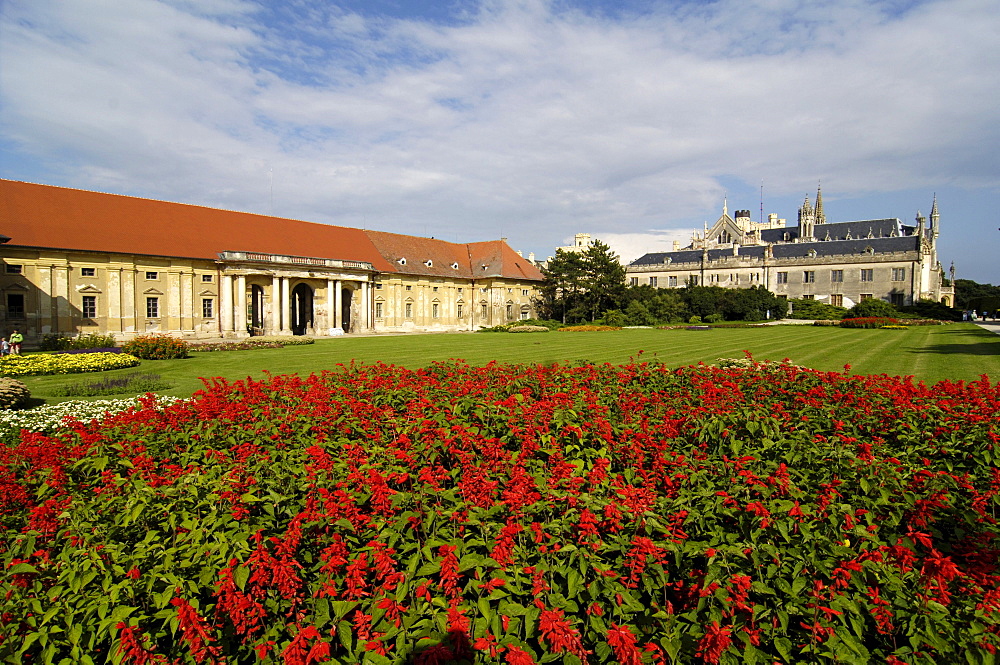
820,217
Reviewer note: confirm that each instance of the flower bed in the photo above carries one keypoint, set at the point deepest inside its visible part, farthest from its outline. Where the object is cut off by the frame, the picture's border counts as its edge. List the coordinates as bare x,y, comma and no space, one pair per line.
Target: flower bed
514,514
53,417
50,363
109,349
588,328
242,345
869,322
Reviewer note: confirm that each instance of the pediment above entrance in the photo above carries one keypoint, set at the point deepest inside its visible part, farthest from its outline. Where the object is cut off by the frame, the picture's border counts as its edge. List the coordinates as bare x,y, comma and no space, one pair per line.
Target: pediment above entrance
88,288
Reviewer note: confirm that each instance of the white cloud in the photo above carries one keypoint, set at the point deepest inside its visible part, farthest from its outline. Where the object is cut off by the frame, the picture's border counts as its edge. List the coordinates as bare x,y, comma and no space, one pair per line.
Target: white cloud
520,119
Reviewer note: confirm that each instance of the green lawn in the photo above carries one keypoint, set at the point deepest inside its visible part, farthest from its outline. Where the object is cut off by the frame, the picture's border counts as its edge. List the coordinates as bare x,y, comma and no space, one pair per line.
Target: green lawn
961,351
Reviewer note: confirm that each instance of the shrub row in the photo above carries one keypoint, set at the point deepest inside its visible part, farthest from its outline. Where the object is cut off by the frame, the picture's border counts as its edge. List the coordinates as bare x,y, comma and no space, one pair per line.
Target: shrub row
57,342
34,364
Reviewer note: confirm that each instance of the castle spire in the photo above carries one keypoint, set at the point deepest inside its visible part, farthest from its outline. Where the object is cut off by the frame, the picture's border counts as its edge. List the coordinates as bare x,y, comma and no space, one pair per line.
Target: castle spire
820,217
935,218
725,206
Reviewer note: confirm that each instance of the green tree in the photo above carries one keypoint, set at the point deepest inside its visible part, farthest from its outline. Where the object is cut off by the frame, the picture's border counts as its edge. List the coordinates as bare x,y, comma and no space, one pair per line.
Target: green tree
582,286
604,279
871,307
560,292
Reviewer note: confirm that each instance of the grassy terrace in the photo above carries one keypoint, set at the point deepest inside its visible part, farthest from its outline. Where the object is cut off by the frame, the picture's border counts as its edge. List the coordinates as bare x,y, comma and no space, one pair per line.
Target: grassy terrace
960,351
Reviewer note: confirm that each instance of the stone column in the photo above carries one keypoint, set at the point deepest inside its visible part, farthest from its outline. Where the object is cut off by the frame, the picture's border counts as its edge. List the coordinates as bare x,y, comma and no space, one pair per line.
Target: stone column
226,304
286,310
338,308
331,313
363,309
240,320
275,304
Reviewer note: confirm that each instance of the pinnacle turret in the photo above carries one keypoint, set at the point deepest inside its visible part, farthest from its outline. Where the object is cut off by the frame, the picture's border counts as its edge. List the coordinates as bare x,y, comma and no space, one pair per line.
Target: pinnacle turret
820,217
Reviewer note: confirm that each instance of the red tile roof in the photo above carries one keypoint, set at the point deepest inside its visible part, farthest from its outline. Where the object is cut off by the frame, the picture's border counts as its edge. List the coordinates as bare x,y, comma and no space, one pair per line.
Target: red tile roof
437,258
72,219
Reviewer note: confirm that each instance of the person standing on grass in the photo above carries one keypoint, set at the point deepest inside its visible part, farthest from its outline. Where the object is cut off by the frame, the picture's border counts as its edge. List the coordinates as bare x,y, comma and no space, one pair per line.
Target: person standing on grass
4,346
16,339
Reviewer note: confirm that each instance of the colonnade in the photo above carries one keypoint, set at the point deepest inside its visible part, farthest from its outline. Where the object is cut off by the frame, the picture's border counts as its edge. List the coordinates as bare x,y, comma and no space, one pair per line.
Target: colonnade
233,303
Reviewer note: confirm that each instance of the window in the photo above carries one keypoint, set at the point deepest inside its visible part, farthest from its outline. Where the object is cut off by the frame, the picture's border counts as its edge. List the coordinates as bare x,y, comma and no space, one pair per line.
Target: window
524,292
652,281
809,297
510,311
510,290
896,299
866,296
88,272
15,305
378,286
485,311
782,278
808,276
207,308
867,274
524,315
151,274
409,288
837,299
672,280
378,310
435,310
634,281
409,310
460,289
13,270
435,289
836,275
152,308
89,307
206,278
899,274
460,311
693,280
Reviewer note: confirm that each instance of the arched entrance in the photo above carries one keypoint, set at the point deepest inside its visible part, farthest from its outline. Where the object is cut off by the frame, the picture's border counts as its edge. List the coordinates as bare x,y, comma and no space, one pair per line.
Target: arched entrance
302,309
256,317
345,309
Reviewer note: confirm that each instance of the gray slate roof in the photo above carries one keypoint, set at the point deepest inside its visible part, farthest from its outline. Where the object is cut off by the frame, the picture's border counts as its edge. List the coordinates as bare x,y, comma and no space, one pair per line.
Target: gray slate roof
882,243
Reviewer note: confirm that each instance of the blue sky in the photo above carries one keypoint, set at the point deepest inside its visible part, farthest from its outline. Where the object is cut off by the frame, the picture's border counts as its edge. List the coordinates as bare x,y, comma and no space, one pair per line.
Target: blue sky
526,119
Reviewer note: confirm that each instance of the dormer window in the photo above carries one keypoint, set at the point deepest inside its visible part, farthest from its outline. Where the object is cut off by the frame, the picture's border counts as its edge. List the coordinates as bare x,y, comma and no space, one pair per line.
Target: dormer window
429,263
454,266
812,253
402,261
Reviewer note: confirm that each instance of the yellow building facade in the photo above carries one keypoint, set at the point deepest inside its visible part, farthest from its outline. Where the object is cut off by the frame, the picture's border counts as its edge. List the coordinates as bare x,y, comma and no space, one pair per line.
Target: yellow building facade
79,262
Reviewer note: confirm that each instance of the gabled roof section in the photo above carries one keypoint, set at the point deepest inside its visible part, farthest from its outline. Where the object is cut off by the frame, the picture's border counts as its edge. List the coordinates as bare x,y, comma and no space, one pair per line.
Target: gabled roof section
495,258
478,260
62,218
418,252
